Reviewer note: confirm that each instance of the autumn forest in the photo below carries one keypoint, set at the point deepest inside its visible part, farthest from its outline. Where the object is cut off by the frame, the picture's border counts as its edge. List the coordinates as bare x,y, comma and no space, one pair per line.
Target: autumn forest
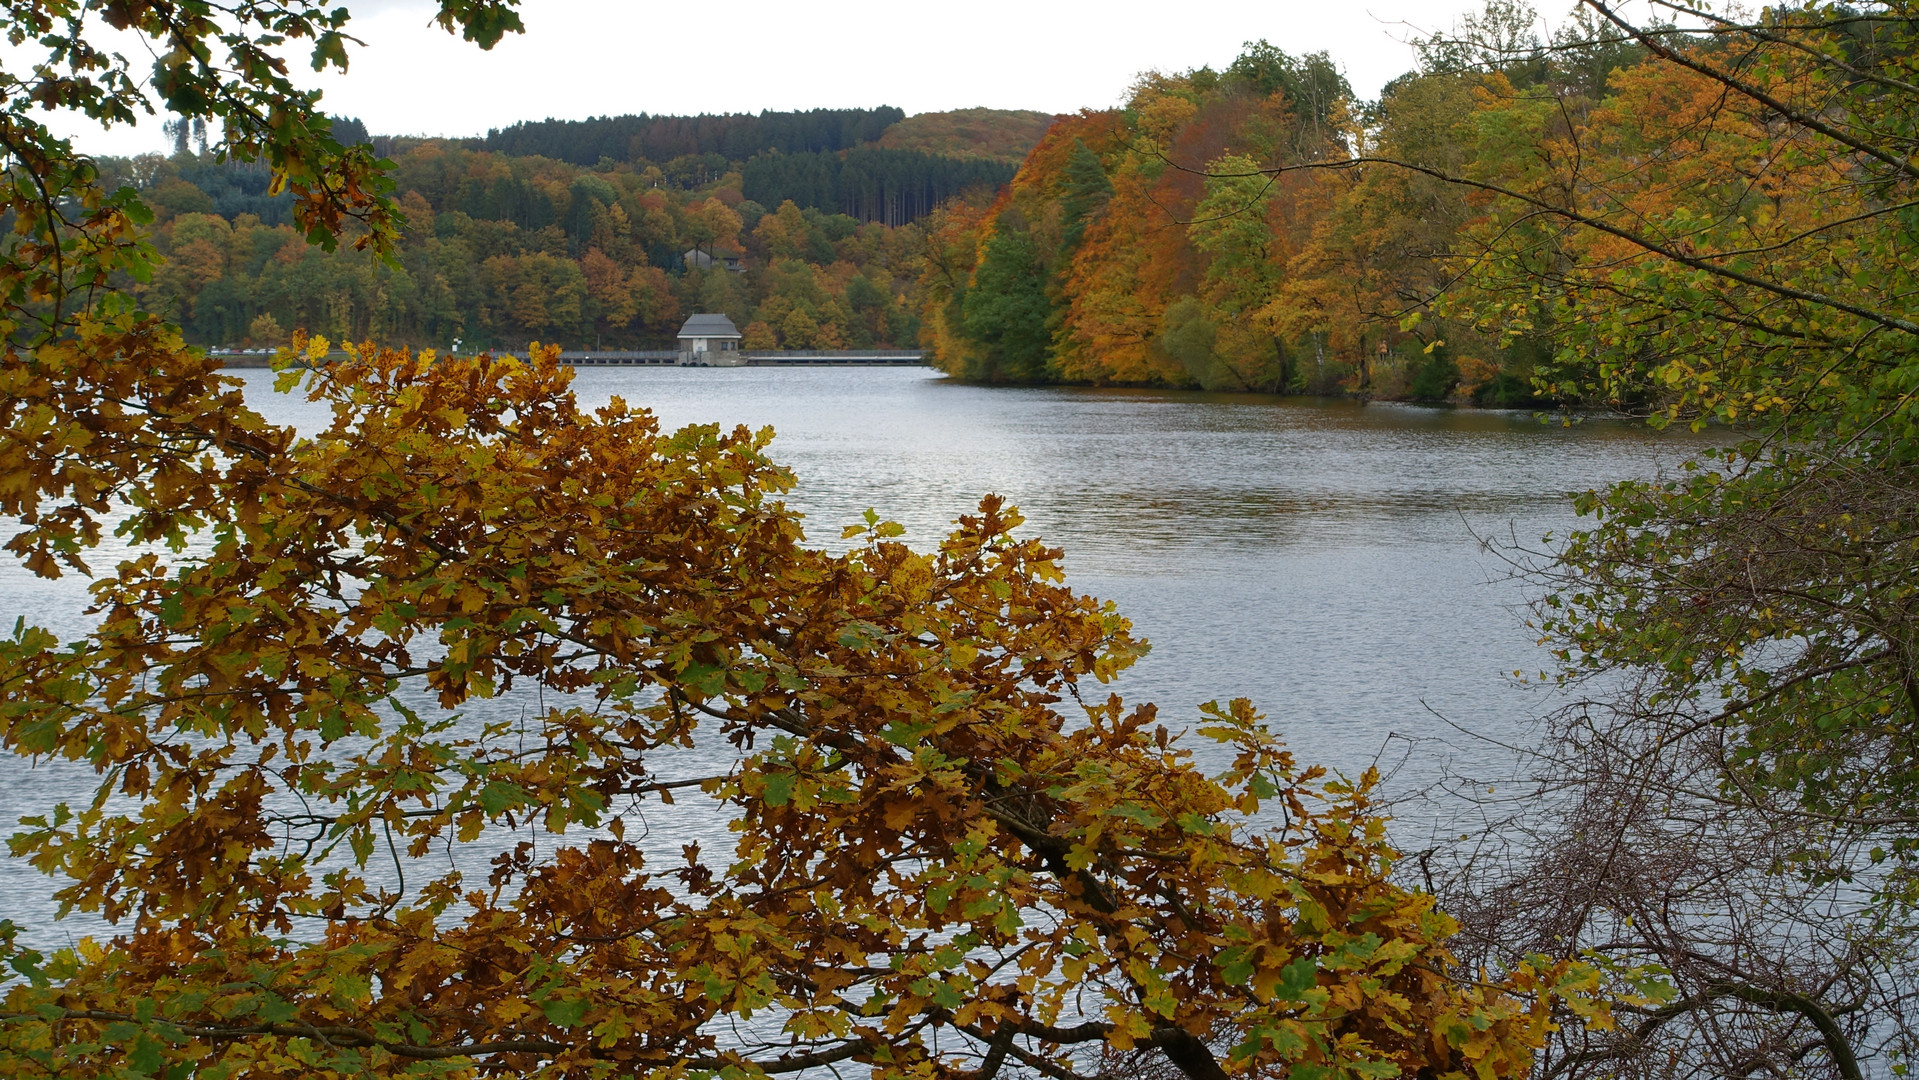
1221,230
510,239
424,707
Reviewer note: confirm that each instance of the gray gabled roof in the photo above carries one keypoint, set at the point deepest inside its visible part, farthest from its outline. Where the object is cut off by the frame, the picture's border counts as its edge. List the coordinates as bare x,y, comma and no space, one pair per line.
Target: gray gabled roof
709,326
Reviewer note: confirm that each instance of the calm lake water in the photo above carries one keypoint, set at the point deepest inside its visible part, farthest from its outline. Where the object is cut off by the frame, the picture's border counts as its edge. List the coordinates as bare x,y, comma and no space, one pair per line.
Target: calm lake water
1318,557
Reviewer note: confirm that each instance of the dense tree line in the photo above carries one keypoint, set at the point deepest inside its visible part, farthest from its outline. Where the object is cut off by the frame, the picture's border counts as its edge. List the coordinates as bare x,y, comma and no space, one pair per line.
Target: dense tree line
999,134
190,183
824,159
734,136
890,186
1222,231
500,251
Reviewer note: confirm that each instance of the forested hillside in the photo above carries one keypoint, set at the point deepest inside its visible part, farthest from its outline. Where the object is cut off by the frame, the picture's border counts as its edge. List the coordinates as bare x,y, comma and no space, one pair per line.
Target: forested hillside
501,250
891,186
576,231
734,136
1006,135
837,161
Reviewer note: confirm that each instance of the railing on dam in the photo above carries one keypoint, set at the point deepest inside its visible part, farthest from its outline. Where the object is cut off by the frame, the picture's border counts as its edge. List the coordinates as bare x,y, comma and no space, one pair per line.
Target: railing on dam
614,356
755,358
669,357
838,356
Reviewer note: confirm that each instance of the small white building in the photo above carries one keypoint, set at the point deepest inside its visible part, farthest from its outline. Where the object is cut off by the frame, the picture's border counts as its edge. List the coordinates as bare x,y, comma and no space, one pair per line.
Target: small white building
695,259
710,341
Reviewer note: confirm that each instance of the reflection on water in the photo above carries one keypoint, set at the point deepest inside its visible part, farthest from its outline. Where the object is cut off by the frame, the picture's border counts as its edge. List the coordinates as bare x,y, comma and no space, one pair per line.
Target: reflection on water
1316,556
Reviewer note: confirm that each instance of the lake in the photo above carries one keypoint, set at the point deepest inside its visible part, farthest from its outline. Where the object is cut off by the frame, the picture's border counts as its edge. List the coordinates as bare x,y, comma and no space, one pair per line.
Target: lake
1319,557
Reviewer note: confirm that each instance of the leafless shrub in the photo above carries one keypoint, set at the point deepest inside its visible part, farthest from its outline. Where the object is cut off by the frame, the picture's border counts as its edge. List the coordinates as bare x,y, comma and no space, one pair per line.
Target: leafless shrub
1741,828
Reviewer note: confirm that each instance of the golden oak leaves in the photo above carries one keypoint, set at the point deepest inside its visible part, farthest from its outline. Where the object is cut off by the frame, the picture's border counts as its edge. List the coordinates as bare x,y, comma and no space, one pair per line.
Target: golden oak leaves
119,410
288,714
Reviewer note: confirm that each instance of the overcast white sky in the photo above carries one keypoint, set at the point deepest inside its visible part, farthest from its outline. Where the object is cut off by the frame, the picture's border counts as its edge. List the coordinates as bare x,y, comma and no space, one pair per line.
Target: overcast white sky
583,58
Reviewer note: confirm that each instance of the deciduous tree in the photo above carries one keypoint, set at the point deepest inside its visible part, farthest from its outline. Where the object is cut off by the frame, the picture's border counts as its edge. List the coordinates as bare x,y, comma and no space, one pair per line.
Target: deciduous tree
1726,237
950,856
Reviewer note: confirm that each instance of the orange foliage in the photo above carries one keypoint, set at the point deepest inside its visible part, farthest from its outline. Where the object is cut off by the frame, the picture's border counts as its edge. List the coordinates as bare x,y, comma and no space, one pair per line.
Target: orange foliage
926,842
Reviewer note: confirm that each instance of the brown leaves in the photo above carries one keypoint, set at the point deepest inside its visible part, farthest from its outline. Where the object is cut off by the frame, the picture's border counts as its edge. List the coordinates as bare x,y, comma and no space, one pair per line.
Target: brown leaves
924,841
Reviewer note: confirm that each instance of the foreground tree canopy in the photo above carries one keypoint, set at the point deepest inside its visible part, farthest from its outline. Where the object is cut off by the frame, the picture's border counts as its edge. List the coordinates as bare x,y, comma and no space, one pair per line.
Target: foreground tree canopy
925,841
320,856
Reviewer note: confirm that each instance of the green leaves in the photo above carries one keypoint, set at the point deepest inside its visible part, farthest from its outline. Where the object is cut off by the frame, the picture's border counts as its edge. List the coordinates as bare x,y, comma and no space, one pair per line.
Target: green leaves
498,797
566,1012
330,48
483,22
1296,978
145,1056
778,789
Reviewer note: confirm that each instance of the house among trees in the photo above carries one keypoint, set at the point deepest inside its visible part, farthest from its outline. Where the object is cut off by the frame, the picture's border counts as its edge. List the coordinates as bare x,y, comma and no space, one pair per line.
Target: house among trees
710,341
695,259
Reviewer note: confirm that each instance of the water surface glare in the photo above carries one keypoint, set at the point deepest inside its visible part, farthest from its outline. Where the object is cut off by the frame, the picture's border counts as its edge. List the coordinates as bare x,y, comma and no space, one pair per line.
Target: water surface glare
1318,557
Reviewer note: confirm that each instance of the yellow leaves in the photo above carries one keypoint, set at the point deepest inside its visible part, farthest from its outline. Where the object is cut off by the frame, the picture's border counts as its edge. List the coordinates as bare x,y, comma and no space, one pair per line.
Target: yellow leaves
818,1023
911,579
1128,1027
899,813
916,826
1163,114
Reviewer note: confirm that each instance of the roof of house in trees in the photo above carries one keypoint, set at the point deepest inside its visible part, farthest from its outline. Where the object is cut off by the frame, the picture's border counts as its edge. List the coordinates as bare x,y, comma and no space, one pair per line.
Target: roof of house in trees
709,326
